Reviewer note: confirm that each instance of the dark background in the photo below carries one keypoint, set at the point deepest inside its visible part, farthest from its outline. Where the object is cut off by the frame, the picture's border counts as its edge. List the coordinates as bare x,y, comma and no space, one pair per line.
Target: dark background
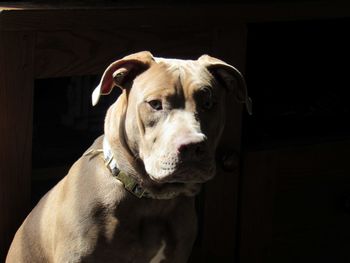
297,73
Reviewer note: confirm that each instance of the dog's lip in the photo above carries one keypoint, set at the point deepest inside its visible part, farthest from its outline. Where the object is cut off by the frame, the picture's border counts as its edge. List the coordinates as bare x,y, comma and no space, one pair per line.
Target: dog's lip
176,180
179,181
180,173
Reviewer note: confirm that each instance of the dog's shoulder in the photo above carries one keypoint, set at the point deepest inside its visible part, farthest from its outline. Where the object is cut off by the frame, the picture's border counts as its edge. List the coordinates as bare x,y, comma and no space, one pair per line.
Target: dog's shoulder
96,145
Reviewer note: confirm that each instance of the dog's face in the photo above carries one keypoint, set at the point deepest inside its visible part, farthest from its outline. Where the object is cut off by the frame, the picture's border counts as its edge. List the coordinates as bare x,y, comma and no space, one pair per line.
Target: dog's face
174,120
174,112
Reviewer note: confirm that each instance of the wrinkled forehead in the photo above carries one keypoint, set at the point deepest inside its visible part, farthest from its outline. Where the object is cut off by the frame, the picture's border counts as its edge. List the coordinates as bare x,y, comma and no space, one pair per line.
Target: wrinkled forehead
174,75
189,71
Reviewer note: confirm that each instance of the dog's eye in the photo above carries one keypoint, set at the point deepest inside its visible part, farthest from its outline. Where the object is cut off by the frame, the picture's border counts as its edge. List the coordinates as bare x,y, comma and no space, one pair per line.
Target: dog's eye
208,104
207,98
156,104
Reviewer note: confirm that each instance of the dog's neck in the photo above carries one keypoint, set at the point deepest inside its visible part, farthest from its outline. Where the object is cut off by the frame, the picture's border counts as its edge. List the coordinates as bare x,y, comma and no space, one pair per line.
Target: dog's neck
130,182
117,143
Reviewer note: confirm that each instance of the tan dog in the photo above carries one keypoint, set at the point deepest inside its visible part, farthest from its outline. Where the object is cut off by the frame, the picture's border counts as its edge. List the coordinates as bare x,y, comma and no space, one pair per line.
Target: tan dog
136,203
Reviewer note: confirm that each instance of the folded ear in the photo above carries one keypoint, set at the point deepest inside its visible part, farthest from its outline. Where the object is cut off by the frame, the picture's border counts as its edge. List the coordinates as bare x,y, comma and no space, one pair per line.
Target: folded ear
121,73
232,79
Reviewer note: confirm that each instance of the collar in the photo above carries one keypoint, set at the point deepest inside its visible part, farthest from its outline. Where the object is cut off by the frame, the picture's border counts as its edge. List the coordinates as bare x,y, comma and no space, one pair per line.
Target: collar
128,181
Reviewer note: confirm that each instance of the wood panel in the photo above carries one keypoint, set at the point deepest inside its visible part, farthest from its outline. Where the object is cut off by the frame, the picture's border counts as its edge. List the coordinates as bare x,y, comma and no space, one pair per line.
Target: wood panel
30,17
256,207
83,52
16,92
295,205
111,18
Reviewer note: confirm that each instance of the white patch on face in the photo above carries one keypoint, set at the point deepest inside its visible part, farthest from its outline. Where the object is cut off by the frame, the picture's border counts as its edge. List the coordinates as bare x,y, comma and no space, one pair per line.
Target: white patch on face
160,255
180,128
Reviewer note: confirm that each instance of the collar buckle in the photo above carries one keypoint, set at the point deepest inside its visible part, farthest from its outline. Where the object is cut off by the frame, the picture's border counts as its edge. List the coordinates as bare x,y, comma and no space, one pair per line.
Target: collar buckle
131,185
138,191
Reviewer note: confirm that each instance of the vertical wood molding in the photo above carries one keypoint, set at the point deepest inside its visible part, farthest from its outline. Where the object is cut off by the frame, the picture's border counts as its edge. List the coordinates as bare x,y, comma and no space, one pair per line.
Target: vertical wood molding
16,95
257,191
220,205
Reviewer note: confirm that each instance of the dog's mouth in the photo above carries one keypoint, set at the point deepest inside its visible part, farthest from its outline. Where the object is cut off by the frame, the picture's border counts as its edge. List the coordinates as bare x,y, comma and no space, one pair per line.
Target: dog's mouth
184,173
185,178
171,174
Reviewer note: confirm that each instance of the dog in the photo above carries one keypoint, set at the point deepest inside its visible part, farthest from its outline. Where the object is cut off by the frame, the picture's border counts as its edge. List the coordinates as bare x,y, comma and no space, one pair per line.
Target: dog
130,197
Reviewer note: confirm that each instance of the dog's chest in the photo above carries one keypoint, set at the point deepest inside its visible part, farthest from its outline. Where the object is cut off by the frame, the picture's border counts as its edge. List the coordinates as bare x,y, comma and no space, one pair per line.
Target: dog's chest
156,240
142,230
148,240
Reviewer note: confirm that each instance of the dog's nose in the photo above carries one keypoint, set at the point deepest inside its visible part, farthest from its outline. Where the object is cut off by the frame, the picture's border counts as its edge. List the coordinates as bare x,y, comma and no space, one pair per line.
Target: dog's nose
191,150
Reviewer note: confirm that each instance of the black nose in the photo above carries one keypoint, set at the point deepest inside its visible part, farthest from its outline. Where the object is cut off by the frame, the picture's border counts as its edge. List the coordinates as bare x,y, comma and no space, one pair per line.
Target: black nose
192,150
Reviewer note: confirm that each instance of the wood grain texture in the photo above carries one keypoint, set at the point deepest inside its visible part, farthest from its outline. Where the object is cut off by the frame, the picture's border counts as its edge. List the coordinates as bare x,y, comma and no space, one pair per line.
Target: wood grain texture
83,52
16,92
111,18
21,17
220,207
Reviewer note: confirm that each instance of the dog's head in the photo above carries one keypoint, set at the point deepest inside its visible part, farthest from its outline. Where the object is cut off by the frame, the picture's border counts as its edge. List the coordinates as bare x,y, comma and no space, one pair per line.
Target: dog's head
171,113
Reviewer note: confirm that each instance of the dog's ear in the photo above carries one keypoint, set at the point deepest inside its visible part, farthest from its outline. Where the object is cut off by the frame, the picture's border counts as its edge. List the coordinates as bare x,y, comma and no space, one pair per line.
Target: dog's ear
232,79
121,73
